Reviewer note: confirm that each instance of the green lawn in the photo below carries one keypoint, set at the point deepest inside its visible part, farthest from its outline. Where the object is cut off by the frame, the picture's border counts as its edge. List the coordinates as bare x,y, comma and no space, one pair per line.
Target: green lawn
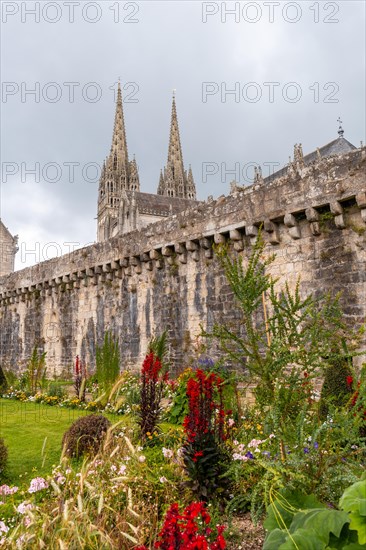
33,434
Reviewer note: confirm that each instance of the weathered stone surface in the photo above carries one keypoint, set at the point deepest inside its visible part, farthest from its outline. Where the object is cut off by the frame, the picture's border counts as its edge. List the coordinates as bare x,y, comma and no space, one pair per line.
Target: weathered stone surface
126,284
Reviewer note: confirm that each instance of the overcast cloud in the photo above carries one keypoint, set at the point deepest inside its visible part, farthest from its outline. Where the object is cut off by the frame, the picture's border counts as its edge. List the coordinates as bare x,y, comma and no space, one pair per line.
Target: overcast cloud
168,46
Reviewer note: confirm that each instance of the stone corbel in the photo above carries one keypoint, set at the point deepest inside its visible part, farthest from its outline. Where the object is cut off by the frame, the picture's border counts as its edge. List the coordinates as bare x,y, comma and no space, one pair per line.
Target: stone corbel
237,237
154,255
293,226
219,238
252,232
337,209
312,216
361,203
181,250
273,233
136,263
192,247
206,244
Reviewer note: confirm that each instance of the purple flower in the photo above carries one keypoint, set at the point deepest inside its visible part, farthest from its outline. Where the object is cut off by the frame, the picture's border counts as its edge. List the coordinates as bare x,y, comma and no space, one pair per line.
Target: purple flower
306,450
316,445
249,455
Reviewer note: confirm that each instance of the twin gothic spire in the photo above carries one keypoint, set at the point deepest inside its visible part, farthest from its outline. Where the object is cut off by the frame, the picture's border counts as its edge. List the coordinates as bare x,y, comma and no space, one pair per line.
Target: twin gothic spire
120,175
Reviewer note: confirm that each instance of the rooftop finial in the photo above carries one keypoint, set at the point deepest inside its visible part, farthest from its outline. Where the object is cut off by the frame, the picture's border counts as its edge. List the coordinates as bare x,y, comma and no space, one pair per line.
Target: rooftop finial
340,129
174,91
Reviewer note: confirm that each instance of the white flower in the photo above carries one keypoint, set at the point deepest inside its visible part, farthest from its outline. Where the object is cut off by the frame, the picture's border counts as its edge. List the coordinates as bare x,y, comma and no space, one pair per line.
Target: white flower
168,453
163,479
231,422
113,468
142,458
23,507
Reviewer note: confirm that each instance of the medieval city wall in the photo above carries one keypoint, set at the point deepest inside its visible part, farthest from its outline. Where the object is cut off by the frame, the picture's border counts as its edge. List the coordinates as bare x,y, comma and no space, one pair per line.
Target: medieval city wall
166,276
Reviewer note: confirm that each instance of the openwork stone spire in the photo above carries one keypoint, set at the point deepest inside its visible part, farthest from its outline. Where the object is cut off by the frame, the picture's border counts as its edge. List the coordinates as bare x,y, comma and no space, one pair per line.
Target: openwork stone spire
118,176
174,181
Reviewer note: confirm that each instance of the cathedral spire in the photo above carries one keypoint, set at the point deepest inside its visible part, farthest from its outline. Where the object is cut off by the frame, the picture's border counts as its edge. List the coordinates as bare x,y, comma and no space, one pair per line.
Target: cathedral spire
174,182
119,175
119,152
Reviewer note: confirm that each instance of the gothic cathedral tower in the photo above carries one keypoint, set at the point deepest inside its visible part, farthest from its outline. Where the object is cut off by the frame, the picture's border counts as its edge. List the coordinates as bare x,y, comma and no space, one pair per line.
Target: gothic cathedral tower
174,181
119,175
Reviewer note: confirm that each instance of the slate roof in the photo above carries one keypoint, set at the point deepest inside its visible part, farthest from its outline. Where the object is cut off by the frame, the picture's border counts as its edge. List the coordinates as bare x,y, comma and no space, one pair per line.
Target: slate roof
335,147
161,205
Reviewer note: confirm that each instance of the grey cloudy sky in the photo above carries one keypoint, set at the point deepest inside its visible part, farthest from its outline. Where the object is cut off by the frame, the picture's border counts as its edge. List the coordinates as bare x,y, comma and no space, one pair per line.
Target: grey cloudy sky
313,53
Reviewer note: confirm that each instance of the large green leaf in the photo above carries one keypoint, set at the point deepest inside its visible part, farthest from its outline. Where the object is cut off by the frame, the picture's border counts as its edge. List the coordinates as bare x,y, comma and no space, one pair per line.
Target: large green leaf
354,498
325,522
354,546
282,511
274,540
305,540
358,523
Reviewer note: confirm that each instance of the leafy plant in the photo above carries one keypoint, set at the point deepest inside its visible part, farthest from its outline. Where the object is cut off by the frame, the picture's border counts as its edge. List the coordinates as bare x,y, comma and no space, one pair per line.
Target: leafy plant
191,529
107,361
80,379
283,337
337,386
153,377
205,429
3,455
3,381
298,521
36,371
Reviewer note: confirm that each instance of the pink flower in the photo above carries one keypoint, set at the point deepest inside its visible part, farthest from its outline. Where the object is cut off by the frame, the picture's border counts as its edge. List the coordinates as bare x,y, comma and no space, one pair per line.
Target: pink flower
6,490
3,527
122,470
163,479
24,507
142,458
37,484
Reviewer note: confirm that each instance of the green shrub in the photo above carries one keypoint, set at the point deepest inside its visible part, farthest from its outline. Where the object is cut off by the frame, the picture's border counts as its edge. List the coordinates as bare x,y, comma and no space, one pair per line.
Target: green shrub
336,389
3,455
3,381
55,390
107,360
86,435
